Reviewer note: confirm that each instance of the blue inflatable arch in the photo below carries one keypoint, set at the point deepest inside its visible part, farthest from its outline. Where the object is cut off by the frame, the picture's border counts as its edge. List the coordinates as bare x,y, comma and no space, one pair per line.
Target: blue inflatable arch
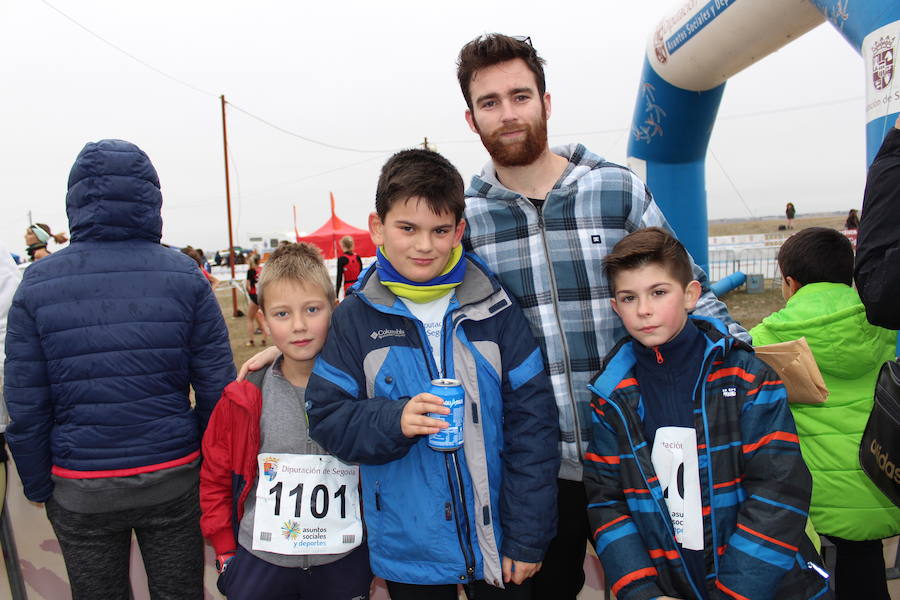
694,51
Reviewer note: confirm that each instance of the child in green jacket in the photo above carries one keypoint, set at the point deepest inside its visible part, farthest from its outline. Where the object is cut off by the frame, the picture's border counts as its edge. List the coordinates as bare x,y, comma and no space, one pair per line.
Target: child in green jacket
817,270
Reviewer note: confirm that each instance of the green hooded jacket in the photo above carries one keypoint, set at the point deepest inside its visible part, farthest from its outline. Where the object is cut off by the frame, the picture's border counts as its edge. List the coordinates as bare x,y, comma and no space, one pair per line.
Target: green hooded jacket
849,352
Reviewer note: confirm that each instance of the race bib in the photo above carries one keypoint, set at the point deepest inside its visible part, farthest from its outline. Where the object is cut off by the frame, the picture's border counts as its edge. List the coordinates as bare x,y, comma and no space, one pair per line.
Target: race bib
306,504
674,458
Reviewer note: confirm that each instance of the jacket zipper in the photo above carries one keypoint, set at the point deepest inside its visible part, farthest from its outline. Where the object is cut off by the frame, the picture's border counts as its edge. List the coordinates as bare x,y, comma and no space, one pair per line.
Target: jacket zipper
426,352
709,477
667,520
465,541
562,334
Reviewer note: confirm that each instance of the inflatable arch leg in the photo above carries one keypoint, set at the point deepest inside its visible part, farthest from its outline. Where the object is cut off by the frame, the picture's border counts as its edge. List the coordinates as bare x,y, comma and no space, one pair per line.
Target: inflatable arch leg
698,47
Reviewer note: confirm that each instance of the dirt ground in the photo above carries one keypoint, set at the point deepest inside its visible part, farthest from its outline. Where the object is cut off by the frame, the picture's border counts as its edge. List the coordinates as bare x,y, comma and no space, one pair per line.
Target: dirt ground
771,225
746,309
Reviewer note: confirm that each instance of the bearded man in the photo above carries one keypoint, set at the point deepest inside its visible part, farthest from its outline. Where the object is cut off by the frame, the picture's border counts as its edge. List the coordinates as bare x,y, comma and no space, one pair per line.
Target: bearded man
543,219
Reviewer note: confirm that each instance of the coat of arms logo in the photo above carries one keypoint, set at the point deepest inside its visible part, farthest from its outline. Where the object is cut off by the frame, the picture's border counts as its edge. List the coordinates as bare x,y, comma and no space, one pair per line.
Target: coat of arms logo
883,62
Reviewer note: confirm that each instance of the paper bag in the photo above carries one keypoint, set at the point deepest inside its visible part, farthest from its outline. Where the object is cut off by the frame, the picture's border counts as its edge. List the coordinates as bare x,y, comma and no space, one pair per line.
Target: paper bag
793,361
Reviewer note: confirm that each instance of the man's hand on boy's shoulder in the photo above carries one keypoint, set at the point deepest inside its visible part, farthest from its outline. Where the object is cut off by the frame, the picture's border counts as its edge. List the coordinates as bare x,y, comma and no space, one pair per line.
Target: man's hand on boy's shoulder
258,361
413,421
517,571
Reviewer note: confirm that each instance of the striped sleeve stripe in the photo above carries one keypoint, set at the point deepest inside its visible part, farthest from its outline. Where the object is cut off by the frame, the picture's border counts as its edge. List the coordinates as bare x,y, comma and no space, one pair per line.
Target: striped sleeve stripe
627,383
610,524
728,372
609,460
633,576
660,553
527,370
767,538
780,505
727,483
764,383
731,593
783,436
636,491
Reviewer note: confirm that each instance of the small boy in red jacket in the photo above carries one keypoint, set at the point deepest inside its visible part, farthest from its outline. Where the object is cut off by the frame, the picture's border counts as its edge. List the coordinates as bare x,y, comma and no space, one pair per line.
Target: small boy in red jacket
282,514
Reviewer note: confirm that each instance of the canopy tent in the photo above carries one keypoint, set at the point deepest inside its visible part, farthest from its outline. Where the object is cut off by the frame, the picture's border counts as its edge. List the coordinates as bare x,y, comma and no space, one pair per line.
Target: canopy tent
328,238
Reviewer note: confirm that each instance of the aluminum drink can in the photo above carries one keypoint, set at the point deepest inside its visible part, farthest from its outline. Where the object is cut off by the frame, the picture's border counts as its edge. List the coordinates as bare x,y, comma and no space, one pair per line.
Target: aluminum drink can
451,392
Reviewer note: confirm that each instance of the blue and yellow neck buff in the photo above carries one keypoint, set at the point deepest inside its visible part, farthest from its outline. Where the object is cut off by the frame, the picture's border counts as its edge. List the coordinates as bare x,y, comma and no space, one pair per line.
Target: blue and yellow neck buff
420,293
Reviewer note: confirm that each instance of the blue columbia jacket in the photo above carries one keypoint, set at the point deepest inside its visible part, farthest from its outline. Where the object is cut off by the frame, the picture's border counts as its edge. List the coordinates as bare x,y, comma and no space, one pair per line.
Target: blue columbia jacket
106,336
441,517
755,487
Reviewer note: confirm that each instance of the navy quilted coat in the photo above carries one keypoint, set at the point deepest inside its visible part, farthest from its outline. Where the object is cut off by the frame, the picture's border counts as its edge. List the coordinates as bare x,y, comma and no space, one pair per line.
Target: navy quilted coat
106,336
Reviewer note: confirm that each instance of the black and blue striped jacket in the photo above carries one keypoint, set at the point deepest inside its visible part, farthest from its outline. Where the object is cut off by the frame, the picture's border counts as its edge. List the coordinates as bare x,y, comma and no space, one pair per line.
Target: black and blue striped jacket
755,486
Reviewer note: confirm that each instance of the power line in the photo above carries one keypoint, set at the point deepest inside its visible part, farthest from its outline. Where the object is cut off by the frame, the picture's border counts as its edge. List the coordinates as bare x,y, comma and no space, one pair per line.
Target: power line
132,56
303,137
271,186
203,91
733,186
792,108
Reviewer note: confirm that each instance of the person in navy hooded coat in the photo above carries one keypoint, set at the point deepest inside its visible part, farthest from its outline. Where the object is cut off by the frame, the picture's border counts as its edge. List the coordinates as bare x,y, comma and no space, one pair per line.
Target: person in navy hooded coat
105,338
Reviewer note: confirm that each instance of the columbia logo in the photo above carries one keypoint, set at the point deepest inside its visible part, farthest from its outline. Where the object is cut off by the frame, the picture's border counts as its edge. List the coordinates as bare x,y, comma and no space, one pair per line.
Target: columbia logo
729,392
595,239
383,333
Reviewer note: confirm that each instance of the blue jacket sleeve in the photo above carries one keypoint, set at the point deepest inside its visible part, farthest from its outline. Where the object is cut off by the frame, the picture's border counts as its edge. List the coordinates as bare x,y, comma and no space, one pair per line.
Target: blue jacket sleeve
29,401
772,519
212,364
342,418
530,443
626,562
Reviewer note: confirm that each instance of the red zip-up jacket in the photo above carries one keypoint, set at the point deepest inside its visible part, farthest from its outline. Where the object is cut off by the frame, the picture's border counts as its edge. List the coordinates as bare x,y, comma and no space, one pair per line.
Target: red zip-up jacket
230,447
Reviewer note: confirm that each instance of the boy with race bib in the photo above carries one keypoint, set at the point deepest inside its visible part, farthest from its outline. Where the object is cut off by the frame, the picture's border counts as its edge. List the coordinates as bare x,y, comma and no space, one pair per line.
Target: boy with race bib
695,483
281,513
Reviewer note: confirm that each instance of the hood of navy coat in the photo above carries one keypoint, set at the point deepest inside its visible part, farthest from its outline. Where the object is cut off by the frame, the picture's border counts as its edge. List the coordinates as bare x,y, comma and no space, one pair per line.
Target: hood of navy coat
113,194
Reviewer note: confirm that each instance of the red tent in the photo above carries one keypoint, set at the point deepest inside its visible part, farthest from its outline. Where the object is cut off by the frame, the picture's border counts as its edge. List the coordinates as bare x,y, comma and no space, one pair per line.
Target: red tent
328,238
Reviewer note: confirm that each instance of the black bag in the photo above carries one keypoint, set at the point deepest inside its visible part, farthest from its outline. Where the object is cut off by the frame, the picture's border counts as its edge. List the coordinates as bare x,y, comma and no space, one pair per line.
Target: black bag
879,449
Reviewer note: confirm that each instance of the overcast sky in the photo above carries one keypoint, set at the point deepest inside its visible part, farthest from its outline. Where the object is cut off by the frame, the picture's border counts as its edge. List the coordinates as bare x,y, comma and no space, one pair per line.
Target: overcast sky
376,76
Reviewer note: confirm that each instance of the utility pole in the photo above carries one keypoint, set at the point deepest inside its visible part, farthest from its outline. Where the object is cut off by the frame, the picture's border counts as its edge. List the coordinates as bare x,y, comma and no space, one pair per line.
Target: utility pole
426,145
231,259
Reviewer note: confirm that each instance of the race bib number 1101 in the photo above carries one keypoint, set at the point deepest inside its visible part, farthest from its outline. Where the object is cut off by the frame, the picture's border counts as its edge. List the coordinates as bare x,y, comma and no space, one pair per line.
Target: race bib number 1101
306,504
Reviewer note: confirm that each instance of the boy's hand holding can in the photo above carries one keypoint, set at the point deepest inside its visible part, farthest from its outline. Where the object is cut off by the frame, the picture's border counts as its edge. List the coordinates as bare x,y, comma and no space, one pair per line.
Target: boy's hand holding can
413,421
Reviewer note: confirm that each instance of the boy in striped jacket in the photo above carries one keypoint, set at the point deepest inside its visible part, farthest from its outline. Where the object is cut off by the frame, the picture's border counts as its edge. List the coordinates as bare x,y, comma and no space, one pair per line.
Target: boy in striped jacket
696,486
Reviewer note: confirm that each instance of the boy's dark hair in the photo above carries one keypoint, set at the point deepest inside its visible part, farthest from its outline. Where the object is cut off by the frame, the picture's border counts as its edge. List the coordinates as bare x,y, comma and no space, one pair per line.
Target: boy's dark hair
493,48
301,263
651,245
424,174
817,254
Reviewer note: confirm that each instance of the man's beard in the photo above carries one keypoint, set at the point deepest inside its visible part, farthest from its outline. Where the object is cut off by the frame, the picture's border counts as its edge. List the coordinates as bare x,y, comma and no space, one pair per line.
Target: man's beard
521,153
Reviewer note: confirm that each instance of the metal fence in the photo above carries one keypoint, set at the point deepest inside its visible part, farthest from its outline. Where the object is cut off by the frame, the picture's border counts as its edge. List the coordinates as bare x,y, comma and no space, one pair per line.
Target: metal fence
750,260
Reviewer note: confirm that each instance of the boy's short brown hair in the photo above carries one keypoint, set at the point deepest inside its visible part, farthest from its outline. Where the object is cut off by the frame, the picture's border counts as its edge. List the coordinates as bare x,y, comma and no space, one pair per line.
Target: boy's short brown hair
491,49
424,174
301,263
815,255
651,245
347,243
